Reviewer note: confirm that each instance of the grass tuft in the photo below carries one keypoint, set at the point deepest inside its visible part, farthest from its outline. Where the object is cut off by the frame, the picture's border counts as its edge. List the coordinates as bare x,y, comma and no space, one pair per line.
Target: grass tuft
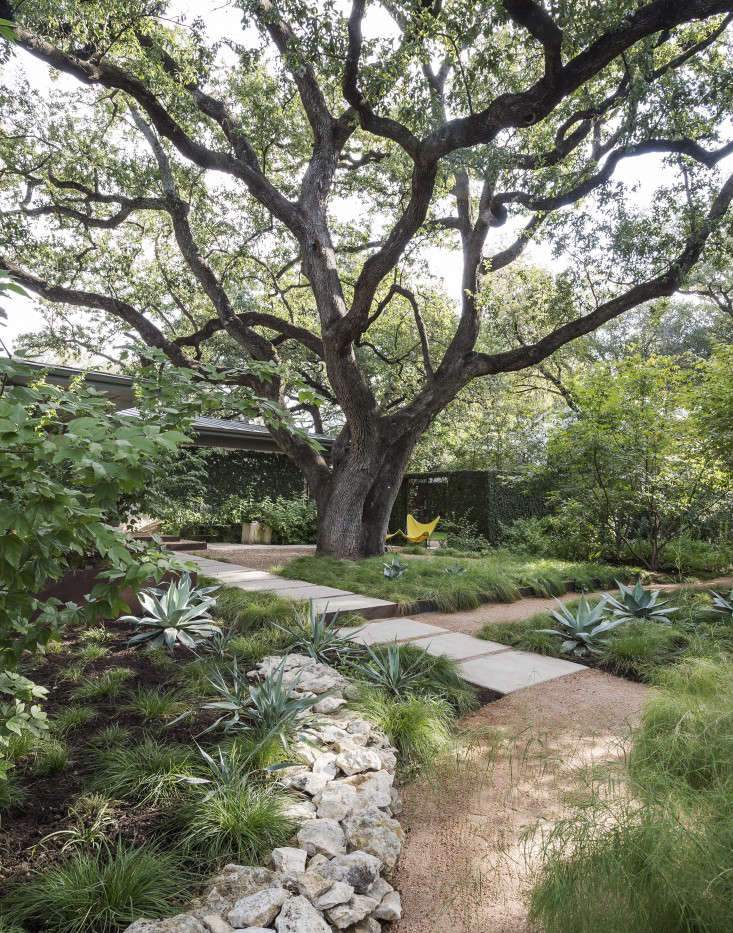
72,717
146,773
152,703
103,891
107,686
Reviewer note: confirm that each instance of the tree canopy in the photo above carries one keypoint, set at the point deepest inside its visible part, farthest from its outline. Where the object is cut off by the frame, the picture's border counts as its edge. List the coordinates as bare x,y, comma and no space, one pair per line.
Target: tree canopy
278,195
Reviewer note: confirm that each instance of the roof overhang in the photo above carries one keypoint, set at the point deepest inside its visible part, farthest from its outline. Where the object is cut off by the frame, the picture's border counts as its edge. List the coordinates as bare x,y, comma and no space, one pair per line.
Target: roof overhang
209,432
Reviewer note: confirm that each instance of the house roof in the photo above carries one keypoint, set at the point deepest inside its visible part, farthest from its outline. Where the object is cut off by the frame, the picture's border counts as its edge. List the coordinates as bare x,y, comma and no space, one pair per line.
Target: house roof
209,432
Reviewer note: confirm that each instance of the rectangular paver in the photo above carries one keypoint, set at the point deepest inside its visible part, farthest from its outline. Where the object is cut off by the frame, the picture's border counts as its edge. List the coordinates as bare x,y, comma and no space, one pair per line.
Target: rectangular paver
458,646
515,670
369,606
399,629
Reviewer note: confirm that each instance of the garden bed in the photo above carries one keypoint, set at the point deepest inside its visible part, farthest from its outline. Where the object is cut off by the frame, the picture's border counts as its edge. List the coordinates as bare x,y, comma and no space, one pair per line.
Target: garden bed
111,778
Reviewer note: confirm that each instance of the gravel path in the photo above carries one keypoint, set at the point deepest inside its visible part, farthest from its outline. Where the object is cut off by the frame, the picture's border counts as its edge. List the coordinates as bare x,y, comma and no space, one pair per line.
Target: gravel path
465,866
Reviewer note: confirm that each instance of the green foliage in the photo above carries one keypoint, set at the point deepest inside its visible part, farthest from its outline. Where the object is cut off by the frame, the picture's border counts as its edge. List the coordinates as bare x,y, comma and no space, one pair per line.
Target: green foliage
177,614
72,717
580,628
660,861
155,704
249,612
111,736
148,772
494,577
393,671
638,603
395,569
20,714
418,727
271,708
635,472
316,634
723,604
49,756
107,686
92,819
292,520
102,891
239,822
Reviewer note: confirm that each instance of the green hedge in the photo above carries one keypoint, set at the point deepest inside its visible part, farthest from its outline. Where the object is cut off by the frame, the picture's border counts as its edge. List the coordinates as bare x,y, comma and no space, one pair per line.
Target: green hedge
486,499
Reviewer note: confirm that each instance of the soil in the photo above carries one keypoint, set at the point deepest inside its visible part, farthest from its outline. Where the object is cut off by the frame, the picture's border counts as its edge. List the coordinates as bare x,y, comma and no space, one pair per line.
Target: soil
266,557
495,613
467,864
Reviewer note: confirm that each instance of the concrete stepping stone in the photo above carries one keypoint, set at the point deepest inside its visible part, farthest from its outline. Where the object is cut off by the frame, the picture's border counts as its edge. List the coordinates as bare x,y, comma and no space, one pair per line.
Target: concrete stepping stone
458,646
508,671
367,606
399,629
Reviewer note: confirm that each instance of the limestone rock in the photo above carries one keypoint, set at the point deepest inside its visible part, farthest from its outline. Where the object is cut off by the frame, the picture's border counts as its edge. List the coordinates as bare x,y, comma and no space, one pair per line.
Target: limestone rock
339,893
317,862
182,923
325,763
395,802
289,860
311,885
390,907
329,705
371,830
233,883
300,916
359,869
379,889
345,915
258,909
300,810
359,727
335,801
374,788
216,924
370,925
353,759
325,836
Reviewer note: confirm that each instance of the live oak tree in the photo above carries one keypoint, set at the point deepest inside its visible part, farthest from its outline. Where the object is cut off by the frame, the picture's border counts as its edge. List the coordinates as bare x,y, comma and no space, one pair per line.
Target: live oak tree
279,196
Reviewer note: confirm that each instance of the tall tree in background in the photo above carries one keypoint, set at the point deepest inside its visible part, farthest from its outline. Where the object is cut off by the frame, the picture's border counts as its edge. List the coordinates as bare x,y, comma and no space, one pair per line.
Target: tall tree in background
276,198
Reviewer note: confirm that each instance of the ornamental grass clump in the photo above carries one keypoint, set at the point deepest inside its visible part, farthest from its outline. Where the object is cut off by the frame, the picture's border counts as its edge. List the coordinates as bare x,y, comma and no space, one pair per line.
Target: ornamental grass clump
103,891
147,773
656,858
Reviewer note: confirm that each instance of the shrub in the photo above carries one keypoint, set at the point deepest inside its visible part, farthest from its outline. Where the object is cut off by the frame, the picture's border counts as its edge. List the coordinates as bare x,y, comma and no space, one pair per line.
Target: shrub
147,773
418,727
104,891
240,822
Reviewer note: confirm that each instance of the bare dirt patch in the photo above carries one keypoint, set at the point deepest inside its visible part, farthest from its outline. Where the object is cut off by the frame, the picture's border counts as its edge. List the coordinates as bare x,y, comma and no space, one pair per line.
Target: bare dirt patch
466,865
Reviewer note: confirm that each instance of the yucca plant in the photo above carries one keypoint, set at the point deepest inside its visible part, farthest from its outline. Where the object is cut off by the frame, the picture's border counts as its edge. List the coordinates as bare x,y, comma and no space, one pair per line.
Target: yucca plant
393,670
722,604
314,634
580,629
638,603
394,569
179,613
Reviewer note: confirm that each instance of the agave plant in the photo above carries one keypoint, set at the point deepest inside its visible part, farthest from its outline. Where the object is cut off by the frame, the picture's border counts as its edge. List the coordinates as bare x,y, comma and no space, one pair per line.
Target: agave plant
454,570
580,630
178,613
316,635
722,604
638,603
394,569
227,768
391,670
271,708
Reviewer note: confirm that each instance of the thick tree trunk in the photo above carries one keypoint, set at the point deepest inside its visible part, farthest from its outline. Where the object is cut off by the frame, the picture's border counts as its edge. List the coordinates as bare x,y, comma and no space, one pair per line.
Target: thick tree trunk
355,505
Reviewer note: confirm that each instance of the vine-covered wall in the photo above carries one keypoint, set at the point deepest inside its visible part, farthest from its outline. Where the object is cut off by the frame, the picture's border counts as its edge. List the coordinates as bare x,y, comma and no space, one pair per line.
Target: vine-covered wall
484,498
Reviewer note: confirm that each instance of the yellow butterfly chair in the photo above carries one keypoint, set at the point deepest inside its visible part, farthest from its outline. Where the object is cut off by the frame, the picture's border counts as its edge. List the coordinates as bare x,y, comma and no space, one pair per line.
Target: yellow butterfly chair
416,531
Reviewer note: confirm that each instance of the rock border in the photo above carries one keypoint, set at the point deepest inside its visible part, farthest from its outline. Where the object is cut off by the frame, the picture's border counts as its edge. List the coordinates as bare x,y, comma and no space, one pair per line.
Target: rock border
332,876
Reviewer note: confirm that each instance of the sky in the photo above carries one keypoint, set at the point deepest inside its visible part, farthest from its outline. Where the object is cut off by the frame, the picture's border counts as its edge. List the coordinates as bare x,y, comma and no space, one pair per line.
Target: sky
222,19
